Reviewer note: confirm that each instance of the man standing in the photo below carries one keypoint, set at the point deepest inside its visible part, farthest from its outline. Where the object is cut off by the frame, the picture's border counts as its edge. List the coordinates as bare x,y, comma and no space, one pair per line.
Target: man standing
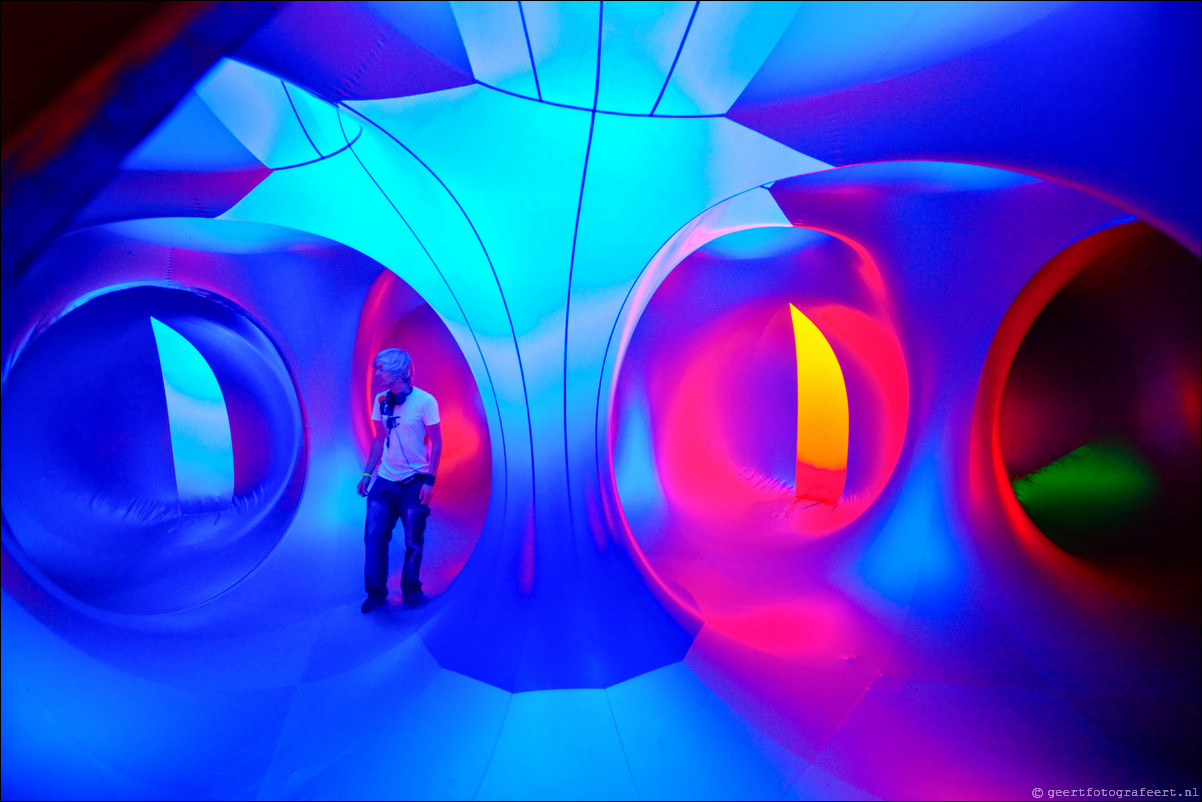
407,420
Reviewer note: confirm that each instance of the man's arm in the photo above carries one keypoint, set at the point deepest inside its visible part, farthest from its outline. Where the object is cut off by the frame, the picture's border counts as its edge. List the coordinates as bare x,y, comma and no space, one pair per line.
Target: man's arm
434,432
373,459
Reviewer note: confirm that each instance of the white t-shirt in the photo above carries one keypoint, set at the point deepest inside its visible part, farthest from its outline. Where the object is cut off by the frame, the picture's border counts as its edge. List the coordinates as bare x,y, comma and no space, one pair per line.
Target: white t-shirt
405,451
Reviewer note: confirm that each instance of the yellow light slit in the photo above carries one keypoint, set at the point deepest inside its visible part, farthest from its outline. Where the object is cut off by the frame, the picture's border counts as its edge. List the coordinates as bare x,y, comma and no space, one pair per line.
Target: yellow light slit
822,414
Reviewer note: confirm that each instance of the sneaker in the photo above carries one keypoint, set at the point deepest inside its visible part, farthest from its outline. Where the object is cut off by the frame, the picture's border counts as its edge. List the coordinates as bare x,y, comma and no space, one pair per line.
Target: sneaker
413,600
371,603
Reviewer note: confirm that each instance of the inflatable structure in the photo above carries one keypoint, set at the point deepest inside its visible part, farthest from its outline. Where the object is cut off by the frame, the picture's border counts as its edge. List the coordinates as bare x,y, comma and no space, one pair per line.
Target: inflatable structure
819,386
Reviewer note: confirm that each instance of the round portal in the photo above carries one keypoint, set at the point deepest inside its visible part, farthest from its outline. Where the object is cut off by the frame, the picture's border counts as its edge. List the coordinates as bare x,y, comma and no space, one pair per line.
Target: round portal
1098,423
161,449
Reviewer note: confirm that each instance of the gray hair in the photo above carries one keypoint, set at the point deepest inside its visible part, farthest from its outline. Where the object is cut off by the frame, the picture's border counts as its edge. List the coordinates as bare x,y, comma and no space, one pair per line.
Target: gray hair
394,360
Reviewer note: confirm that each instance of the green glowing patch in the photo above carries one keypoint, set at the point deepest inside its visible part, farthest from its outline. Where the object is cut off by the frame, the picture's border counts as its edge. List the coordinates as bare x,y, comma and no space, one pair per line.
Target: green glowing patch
1092,500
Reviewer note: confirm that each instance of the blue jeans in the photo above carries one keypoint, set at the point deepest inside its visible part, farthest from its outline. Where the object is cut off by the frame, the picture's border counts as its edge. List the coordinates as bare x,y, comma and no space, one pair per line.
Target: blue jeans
387,502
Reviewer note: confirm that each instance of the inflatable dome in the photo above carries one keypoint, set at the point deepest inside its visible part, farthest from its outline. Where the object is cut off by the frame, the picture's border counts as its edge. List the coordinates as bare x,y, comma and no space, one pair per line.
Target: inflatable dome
819,388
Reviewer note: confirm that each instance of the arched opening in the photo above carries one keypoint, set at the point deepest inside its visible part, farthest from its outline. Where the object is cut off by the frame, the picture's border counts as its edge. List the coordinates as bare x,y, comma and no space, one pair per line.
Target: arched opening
760,410
394,316
822,415
1097,433
162,449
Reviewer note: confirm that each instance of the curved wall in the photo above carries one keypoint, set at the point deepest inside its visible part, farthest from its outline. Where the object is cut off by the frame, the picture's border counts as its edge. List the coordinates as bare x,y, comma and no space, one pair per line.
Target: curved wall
587,221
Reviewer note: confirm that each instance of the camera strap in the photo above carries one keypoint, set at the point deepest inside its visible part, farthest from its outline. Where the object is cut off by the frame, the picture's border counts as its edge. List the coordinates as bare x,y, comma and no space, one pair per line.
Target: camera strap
389,402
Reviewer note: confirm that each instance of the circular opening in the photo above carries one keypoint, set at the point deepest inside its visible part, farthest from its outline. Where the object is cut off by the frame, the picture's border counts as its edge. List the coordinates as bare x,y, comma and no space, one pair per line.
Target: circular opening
154,449
1098,422
761,406
395,316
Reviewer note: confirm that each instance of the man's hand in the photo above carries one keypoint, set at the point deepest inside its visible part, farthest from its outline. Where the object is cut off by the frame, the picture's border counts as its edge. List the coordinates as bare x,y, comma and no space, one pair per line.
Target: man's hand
363,484
425,494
